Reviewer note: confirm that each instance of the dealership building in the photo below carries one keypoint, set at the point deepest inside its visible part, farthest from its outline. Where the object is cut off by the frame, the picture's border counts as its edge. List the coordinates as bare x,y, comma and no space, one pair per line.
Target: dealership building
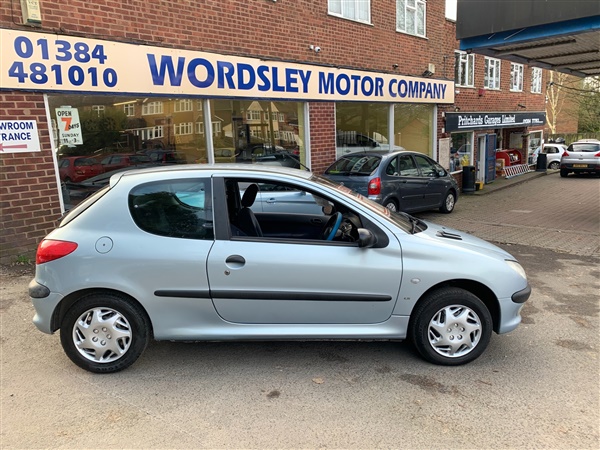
216,82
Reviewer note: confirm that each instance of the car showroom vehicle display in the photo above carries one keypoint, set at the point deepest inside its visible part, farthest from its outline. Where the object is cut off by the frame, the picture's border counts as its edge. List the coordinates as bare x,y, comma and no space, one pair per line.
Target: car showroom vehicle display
78,168
581,157
401,181
178,253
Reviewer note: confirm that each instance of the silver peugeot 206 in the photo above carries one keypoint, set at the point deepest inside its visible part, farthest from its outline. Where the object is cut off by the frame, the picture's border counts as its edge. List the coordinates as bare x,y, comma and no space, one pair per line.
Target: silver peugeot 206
236,252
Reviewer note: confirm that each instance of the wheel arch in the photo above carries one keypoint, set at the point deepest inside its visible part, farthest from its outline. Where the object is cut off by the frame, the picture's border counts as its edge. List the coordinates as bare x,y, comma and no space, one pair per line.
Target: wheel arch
65,304
481,291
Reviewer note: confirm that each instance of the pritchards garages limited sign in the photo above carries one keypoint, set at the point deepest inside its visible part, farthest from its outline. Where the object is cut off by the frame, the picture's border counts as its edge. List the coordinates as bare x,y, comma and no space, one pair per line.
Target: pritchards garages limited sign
48,62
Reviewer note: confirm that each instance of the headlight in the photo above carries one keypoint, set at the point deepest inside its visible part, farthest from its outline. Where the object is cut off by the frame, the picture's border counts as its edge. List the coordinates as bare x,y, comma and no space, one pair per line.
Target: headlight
516,267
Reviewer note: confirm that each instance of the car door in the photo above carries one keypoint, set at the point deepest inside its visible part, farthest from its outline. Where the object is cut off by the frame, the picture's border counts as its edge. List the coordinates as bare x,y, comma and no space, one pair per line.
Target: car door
406,182
434,187
303,281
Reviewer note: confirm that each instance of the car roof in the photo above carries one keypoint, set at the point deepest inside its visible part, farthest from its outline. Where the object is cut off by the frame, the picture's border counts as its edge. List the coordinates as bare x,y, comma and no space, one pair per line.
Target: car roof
212,169
386,153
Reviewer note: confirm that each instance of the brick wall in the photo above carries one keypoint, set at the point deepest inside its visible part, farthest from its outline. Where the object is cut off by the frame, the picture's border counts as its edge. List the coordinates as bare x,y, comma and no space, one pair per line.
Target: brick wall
29,203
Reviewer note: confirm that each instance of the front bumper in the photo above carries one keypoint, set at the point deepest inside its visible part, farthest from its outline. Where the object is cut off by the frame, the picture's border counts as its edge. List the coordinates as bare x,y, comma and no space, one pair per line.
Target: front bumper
510,310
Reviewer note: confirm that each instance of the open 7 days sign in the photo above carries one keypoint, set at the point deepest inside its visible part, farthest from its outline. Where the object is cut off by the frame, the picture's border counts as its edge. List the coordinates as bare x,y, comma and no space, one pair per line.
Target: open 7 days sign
49,62
69,128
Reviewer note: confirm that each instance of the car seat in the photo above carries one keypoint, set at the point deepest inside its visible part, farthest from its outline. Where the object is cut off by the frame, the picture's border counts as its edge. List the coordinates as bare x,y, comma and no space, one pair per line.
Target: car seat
246,220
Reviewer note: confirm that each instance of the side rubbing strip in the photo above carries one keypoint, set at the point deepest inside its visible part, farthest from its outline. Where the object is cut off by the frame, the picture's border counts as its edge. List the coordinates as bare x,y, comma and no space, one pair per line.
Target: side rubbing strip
305,296
182,294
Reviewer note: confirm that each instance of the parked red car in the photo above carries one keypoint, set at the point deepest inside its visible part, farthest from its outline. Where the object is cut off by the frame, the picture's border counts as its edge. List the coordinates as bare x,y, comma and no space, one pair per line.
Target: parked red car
122,160
78,168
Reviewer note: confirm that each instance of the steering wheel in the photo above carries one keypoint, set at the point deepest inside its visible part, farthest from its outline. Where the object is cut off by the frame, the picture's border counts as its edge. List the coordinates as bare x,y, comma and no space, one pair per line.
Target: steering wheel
331,227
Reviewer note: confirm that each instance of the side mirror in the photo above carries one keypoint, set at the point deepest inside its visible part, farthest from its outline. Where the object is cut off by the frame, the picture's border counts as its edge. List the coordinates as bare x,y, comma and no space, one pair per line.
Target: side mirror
366,238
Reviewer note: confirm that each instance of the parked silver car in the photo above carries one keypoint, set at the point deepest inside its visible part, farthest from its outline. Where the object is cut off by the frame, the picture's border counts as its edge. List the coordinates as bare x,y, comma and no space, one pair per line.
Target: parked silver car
401,181
553,154
581,157
177,253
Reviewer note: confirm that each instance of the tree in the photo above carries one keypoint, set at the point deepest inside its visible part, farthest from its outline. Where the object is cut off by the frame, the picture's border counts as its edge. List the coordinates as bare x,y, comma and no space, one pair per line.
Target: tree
589,106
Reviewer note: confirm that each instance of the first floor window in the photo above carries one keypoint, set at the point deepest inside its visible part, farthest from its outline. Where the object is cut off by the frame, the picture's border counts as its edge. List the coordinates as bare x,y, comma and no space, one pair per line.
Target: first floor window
183,105
516,77
98,109
410,17
536,80
491,78
464,73
129,109
359,10
152,108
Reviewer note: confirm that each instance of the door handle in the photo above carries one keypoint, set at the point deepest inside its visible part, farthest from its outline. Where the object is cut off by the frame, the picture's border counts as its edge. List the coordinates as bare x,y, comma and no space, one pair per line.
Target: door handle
271,201
316,221
235,260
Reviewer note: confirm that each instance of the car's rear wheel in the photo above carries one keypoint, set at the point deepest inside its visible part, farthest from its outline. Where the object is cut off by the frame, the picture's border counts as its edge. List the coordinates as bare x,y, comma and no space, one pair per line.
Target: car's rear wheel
449,203
564,173
104,332
451,326
391,205
554,165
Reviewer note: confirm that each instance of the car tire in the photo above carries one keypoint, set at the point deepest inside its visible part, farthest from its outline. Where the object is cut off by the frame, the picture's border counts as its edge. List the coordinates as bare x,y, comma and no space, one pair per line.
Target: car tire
554,165
104,332
564,173
450,327
449,203
392,205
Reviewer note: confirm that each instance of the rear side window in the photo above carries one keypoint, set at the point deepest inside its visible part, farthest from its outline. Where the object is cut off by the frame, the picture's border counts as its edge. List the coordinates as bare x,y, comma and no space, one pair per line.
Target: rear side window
174,208
584,147
85,162
355,165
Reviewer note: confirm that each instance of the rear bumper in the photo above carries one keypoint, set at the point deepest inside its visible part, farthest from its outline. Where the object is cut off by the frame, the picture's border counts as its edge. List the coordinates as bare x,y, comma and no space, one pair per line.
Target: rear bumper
44,303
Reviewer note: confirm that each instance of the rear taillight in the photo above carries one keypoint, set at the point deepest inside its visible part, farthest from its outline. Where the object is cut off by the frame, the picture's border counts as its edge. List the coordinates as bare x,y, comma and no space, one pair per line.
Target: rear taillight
49,250
374,186
597,155
565,153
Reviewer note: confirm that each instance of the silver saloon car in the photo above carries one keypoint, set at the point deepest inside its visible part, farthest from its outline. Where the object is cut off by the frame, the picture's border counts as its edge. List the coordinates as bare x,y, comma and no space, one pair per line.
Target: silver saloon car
179,253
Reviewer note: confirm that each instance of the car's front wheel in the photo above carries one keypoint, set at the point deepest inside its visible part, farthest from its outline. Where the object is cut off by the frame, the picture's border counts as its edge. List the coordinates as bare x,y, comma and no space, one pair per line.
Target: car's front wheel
451,326
449,203
104,333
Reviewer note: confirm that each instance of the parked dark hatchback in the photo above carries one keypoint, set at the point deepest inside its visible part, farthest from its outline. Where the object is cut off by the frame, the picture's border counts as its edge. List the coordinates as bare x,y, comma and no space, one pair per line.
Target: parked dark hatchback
401,181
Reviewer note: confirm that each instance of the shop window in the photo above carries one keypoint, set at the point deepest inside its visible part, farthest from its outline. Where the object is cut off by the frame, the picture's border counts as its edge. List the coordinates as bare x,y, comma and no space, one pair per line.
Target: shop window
251,132
461,151
491,79
516,77
410,17
536,80
413,127
464,73
358,10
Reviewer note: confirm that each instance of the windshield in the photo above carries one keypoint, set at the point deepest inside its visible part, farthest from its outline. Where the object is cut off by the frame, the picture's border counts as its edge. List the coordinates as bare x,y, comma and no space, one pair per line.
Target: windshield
402,220
355,164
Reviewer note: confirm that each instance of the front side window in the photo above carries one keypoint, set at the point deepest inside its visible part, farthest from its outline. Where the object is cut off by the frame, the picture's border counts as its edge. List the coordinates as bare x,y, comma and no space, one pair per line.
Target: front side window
491,78
410,17
358,10
536,80
174,208
516,77
427,168
464,73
